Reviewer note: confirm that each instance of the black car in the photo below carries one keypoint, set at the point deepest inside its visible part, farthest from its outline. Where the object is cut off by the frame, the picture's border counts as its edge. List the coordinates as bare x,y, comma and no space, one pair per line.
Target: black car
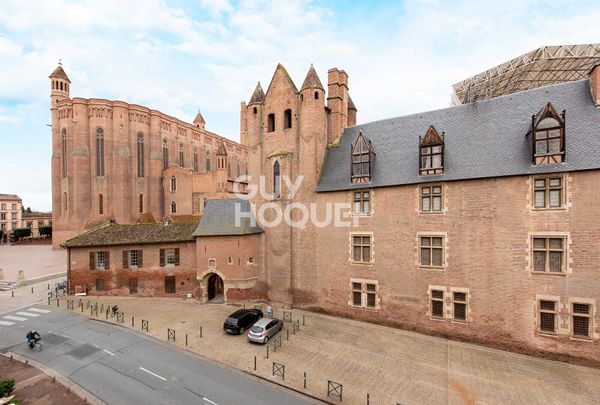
241,320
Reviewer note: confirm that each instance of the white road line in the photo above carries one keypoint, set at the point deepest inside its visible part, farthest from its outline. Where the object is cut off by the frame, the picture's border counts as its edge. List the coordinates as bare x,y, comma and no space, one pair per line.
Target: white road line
209,401
6,323
28,314
106,351
15,318
154,374
58,334
41,311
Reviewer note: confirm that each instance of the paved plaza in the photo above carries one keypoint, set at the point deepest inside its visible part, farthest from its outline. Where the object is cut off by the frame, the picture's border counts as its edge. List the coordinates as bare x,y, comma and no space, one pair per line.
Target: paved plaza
34,260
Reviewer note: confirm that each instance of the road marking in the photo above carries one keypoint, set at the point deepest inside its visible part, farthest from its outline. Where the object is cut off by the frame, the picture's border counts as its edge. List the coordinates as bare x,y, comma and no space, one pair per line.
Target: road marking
58,334
28,314
106,351
15,318
41,311
209,401
6,323
154,374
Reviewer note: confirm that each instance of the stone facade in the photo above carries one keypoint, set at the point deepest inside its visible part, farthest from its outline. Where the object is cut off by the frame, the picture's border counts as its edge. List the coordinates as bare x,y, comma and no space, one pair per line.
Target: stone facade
35,220
10,215
109,159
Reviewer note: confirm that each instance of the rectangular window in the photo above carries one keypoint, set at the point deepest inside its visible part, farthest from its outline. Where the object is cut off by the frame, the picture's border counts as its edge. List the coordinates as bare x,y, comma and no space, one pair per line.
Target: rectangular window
14,215
548,192
459,305
362,202
3,206
29,224
548,254
3,216
547,316
170,256
361,248
431,198
364,295
581,319
99,284
133,258
100,260
437,303
14,206
432,251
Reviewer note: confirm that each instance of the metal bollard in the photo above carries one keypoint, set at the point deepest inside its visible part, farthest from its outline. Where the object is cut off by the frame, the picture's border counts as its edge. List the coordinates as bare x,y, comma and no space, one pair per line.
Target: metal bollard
288,334
132,321
32,290
57,302
368,399
254,363
302,320
200,330
267,351
186,340
12,293
305,379
48,300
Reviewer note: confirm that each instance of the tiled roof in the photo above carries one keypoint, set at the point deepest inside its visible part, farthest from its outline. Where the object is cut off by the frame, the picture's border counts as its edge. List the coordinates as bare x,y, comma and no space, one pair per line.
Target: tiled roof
258,96
135,234
9,197
219,219
312,80
36,214
483,139
59,72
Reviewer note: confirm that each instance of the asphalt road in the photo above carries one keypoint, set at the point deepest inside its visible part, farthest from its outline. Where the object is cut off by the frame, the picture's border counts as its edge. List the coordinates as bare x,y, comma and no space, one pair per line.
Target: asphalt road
120,366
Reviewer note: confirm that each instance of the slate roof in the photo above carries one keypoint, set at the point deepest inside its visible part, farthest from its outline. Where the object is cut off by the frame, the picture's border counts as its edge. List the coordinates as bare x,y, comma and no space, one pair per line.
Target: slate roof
312,80
60,72
482,140
135,234
219,219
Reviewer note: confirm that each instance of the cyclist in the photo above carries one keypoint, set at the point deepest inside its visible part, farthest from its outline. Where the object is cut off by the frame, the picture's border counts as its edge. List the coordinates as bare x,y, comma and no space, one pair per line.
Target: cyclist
32,338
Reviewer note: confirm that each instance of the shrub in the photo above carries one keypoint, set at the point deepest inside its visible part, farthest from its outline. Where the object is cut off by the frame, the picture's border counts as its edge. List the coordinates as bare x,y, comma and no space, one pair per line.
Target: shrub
45,231
7,386
21,233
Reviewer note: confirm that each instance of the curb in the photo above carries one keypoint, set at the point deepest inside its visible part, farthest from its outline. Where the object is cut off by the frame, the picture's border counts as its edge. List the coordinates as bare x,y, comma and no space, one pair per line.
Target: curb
82,393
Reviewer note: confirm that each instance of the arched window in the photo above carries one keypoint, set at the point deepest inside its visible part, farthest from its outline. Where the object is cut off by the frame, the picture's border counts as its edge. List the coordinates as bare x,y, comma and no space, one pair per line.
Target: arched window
165,149
271,123
173,207
65,201
362,154
173,183
287,119
181,161
316,95
100,204
549,136
140,154
99,151
276,181
207,161
61,85
195,162
431,152
254,110
141,203
64,152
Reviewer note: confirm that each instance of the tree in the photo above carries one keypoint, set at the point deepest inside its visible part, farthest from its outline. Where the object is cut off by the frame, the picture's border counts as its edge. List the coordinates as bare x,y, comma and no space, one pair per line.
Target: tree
46,231
7,386
21,233
28,210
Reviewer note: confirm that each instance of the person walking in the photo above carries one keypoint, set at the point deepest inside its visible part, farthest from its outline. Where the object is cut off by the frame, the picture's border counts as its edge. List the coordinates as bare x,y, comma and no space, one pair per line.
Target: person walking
269,309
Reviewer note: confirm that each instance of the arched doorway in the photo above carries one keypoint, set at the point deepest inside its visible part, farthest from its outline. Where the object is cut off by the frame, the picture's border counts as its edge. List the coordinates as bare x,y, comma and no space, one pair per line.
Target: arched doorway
215,287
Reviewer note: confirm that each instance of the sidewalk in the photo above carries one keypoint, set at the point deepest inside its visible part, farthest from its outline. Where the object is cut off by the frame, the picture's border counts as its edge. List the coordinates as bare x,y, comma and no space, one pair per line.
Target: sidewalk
391,365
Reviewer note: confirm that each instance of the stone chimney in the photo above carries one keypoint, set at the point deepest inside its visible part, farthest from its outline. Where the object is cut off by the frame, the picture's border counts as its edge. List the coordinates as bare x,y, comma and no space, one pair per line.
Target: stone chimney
337,103
595,84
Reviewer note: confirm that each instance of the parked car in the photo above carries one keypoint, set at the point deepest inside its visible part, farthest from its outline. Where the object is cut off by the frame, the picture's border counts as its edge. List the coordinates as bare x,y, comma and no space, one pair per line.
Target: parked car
265,328
241,320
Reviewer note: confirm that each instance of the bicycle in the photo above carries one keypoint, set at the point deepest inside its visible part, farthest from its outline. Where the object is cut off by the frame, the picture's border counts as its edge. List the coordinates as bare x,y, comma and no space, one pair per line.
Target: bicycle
37,345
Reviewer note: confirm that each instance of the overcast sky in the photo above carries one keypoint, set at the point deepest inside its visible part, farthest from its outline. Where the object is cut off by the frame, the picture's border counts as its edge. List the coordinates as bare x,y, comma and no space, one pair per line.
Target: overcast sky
180,56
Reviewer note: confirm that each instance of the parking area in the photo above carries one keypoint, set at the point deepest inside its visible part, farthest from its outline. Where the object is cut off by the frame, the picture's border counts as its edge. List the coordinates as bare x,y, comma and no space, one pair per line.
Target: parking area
389,365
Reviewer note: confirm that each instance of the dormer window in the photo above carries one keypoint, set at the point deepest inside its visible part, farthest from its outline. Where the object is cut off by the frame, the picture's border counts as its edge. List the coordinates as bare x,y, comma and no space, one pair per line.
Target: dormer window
549,137
362,157
431,152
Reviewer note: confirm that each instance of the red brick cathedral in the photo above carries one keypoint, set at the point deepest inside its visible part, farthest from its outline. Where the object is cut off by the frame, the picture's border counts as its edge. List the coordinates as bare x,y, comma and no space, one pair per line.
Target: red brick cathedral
478,221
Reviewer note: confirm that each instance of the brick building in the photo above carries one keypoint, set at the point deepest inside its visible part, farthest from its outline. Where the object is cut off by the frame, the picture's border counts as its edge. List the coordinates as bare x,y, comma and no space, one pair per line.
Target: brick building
477,221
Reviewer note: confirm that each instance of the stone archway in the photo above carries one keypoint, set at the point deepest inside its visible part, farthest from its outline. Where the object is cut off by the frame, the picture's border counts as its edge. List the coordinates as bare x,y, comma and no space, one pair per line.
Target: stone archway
215,288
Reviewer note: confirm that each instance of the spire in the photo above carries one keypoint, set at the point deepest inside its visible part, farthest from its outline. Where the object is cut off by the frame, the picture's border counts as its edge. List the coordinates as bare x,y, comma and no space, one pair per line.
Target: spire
221,151
60,72
258,96
312,80
199,119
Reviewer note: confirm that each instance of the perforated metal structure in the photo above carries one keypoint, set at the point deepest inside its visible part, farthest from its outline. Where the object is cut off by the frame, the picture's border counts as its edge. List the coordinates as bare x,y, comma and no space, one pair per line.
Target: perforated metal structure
542,67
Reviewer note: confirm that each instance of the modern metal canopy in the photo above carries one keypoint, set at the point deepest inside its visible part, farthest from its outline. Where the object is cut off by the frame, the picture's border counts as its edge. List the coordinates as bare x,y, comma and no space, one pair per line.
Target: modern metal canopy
542,67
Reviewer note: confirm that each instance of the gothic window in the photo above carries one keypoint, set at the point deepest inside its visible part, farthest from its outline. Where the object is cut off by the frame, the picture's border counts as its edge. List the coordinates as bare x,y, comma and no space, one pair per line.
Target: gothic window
271,123
165,148
549,136
276,181
207,161
173,207
362,156
173,184
287,119
181,160
140,155
64,152
99,151
100,204
65,201
195,160
431,152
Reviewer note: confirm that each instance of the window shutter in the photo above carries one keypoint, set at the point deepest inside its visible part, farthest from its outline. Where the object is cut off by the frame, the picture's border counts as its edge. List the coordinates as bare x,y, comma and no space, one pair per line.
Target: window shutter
176,256
92,261
107,260
125,259
162,257
140,258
